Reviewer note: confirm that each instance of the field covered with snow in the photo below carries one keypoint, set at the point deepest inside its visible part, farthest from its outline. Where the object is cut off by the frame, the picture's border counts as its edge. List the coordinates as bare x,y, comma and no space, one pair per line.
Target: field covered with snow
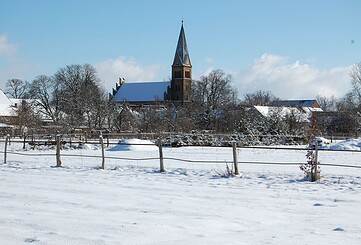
131,202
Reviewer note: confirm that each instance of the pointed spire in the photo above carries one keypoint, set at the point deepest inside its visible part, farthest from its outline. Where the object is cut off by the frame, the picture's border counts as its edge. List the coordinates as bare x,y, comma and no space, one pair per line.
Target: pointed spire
181,57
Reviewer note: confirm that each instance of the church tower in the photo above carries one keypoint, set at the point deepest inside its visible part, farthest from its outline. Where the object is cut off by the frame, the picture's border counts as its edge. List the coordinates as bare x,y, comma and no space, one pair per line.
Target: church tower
181,71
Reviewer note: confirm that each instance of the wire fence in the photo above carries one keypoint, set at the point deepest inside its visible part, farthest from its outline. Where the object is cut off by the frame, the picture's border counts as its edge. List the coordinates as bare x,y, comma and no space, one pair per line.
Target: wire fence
58,144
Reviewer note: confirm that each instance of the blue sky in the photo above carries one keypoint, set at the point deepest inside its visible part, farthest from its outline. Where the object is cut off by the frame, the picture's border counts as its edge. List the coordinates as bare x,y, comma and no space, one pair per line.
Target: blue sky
295,49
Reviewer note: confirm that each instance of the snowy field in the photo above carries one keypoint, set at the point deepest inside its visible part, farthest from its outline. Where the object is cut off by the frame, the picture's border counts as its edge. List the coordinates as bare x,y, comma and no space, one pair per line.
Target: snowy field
131,202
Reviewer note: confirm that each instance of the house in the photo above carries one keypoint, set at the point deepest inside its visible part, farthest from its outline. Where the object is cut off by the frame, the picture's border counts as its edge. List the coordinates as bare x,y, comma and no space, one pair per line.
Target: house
178,90
7,113
302,110
302,115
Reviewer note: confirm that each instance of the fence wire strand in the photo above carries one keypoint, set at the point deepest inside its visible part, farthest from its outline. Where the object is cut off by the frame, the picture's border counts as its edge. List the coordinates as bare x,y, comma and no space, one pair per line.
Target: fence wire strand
45,142
186,160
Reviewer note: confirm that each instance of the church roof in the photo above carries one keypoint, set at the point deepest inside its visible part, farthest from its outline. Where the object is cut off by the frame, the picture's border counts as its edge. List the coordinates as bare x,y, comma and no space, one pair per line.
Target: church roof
181,57
141,91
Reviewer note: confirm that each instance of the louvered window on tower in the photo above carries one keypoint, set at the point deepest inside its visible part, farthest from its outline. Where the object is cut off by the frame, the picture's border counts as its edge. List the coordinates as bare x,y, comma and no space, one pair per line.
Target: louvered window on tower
188,74
177,74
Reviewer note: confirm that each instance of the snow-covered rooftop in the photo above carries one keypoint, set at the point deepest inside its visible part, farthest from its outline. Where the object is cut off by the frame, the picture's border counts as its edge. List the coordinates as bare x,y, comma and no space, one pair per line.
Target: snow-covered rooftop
303,114
141,91
6,108
3,98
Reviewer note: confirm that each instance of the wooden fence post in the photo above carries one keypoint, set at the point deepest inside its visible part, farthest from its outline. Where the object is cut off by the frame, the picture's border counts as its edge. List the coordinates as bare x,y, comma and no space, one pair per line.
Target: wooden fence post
24,136
161,155
107,136
235,160
58,146
315,176
6,147
102,144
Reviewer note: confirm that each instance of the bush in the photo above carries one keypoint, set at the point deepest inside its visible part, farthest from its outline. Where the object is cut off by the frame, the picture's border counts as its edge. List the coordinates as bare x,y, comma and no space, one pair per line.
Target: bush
309,167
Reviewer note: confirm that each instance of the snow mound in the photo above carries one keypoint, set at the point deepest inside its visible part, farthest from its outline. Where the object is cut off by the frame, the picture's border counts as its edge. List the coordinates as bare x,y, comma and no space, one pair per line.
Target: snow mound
134,145
349,144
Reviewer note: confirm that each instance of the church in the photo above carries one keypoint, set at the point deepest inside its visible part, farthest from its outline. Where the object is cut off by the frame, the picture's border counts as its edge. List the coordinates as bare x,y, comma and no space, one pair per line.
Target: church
178,90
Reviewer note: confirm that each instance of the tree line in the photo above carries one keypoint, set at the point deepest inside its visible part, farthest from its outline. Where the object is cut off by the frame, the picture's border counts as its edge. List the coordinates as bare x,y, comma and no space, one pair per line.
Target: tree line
73,97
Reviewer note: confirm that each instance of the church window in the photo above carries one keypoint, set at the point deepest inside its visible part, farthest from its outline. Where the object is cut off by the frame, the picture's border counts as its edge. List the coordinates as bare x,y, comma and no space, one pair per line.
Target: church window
177,74
188,74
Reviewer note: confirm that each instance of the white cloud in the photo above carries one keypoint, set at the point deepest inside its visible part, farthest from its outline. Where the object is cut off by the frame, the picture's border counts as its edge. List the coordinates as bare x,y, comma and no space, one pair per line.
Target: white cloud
207,71
292,80
6,48
208,60
110,70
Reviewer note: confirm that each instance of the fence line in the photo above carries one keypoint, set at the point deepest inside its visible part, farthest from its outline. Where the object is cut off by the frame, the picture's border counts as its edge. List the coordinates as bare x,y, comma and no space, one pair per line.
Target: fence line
189,160
97,142
157,158
46,141
184,160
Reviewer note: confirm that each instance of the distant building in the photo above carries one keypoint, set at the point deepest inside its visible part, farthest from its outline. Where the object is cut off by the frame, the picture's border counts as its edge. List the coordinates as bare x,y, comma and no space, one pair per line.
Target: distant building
303,110
8,113
177,90
302,114
7,106
296,103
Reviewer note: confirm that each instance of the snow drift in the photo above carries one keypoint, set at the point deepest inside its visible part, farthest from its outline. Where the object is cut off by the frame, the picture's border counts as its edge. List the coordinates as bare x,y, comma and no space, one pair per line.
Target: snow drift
134,145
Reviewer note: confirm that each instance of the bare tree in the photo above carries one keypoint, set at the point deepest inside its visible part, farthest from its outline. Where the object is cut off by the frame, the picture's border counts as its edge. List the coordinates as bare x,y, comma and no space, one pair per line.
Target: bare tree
119,116
355,76
214,90
17,88
79,92
46,94
212,95
98,110
327,103
259,98
26,115
349,107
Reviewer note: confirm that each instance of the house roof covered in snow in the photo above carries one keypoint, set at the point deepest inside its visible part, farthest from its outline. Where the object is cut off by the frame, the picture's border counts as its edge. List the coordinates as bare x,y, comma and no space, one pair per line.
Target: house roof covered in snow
3,98
141,91
303,114
6,110
6,106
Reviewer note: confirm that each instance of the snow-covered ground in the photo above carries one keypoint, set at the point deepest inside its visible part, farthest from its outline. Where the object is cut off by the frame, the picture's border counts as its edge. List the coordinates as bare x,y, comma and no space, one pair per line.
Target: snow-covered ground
131,202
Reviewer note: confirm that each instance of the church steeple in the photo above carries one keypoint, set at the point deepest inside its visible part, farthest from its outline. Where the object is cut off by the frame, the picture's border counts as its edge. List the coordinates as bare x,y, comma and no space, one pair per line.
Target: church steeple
181,57
181,71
